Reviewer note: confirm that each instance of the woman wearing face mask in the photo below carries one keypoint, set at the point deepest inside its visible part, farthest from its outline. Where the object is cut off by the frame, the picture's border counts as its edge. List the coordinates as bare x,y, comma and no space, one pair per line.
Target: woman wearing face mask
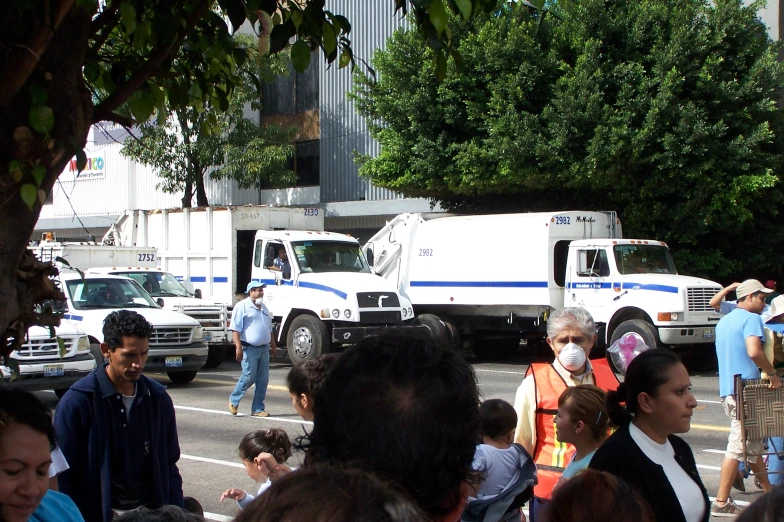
571,333
653,403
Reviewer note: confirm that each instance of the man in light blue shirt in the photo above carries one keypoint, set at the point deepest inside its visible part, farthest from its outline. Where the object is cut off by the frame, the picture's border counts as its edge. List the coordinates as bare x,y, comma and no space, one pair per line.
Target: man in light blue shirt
251,326
739,336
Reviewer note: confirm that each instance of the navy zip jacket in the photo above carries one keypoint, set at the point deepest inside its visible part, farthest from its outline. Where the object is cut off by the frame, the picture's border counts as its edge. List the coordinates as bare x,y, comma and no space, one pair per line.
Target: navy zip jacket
622,457
82,423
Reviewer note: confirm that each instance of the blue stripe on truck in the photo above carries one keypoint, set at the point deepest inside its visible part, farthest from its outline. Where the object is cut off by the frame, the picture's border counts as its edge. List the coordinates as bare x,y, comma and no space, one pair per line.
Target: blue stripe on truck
312,286
481,284
625,286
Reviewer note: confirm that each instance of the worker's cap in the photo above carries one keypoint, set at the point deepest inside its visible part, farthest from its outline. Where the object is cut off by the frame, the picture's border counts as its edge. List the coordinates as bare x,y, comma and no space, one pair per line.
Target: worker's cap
750,286
255,284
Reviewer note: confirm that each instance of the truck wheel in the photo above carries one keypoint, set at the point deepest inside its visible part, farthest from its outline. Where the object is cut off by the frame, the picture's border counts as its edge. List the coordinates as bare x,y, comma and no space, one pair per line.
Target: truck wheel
645,329
453,335
438,328
95,350
307,338
181,377
215,355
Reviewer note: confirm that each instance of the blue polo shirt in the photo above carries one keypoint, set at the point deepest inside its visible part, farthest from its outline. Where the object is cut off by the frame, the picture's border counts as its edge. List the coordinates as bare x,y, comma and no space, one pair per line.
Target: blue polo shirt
731,333
253,324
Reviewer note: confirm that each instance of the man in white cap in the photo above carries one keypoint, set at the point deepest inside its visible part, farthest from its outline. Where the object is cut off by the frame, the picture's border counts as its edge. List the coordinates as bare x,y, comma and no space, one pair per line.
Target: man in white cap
251,326
739,336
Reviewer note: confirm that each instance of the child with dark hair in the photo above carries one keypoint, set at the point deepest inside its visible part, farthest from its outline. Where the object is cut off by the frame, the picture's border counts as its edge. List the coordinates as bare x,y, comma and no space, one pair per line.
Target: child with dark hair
509,473
263,452
304,381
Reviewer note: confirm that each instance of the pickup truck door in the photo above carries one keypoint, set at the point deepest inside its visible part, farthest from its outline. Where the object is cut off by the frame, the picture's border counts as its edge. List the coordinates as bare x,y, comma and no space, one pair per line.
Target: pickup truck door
590,281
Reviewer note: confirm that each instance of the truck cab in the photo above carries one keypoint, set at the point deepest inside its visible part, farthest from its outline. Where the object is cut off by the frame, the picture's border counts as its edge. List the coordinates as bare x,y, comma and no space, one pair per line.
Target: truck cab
321,291
633,285
172,295
42,364
177,344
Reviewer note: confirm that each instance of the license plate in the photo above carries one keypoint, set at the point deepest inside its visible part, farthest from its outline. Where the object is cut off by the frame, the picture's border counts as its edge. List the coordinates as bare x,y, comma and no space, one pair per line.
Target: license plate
174,362
53,370
207,336
708,333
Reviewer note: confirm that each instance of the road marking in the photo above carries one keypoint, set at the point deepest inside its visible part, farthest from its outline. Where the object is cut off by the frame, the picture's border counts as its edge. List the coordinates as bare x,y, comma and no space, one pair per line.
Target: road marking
217,517
498,371
710,427
212,461
233,382
722,452
712,468
222,412
709,402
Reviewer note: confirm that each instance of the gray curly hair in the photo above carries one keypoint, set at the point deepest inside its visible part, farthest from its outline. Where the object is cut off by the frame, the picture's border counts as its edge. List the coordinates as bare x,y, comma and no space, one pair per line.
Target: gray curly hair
571,316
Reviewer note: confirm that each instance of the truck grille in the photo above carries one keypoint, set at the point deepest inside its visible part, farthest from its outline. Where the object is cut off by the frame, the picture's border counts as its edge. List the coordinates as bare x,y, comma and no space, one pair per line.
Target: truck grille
384,317
209,318
43,348
170,336
378,300
699,298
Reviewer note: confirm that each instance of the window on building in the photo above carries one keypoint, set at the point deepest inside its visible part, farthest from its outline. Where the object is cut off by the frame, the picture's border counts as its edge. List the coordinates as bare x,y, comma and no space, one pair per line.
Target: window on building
306,163
294,92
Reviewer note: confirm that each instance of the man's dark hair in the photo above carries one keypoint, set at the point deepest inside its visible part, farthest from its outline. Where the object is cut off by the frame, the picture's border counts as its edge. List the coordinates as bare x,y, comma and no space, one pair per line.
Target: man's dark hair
124,323
307,376
22,407
498,418
400,407
331,494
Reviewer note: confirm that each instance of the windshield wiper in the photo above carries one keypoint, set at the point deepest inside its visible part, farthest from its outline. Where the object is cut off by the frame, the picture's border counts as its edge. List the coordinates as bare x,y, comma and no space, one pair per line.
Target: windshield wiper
137,305
97,306
169,294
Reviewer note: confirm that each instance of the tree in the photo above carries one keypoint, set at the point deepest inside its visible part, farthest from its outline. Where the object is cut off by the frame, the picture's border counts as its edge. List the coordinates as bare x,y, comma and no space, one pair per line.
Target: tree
666,112
184,148
68,64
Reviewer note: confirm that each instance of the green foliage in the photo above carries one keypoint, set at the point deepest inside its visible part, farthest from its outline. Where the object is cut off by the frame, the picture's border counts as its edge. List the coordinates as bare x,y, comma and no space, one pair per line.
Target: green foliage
666,112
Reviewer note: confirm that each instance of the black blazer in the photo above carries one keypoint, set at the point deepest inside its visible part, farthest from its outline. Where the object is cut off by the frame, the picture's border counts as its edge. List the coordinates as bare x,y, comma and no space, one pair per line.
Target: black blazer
622,457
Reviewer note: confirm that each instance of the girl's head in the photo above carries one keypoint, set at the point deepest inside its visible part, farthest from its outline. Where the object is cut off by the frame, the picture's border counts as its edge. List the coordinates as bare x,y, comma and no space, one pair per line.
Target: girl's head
499,420
304,381
273,441
581,412
657,385
26,442
332,494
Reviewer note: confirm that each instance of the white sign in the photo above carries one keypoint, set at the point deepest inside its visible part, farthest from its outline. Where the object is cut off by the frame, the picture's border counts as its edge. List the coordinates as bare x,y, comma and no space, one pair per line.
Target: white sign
93,169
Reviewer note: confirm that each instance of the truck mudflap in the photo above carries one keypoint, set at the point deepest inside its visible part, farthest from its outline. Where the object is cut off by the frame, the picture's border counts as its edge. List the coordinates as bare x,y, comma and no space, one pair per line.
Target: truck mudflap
354,334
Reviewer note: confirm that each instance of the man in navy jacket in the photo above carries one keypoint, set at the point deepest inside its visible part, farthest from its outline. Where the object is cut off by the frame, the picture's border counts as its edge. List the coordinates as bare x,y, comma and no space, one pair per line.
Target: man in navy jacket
117,429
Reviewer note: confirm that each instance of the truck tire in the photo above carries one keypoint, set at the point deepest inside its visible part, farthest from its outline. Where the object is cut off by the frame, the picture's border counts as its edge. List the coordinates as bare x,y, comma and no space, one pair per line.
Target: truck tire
215,355
181,377
438,328
95,350
645,329
455,341
307,338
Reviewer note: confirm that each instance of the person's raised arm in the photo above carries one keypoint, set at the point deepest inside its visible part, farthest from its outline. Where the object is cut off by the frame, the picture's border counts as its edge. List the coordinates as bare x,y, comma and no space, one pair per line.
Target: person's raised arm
716,300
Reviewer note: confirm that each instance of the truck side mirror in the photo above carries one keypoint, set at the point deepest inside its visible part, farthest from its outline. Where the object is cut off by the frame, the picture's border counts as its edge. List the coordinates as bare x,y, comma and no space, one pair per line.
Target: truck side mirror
370,257
197,293
160,302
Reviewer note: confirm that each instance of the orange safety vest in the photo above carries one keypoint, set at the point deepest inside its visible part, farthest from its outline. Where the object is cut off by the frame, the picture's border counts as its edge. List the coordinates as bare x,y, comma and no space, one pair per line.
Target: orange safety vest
550,455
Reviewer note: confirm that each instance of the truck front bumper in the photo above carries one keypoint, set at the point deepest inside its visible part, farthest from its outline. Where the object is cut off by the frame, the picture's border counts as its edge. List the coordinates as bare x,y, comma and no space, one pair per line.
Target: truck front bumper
177,358
698,334
32,378
354,334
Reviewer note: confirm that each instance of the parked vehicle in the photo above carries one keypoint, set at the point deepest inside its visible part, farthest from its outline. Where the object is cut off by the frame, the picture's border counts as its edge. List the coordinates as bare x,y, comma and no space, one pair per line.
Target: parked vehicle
328,298
499,277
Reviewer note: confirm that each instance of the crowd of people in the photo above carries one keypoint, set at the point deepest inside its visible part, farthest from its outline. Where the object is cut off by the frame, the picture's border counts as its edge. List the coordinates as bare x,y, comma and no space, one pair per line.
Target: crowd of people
400,433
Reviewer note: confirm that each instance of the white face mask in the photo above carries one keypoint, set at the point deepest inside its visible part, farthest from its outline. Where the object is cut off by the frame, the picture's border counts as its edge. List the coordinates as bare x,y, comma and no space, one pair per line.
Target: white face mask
259,301
572,357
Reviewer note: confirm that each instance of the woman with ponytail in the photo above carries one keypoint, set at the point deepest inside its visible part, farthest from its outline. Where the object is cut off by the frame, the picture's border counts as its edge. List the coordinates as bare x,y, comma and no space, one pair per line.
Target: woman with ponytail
653,404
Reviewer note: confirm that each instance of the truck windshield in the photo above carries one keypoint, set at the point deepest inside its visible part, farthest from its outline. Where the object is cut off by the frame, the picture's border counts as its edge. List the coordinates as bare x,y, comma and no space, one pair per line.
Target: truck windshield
644,259
88,294
158,284
329,256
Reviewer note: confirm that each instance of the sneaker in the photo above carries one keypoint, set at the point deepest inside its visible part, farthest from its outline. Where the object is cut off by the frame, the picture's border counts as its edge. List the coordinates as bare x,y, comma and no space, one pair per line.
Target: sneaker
738,484
727,509
232,409
260,414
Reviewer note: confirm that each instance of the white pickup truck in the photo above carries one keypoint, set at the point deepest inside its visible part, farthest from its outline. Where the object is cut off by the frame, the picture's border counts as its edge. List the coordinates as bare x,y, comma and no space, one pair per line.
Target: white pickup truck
177,346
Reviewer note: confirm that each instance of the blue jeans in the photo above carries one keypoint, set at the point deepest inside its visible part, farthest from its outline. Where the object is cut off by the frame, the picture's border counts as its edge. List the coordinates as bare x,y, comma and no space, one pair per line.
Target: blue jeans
775,465
255,370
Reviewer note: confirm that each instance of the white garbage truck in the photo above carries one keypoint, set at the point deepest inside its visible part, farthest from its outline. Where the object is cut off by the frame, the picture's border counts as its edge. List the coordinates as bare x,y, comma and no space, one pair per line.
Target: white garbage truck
496,278
141,264
323,297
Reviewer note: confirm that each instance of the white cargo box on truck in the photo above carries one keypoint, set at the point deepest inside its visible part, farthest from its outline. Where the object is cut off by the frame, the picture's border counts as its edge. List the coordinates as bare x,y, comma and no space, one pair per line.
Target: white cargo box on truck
88,255
499,276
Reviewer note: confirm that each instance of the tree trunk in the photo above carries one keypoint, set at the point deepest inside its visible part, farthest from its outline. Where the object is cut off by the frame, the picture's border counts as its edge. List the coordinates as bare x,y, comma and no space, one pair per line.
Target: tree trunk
187,197
201,192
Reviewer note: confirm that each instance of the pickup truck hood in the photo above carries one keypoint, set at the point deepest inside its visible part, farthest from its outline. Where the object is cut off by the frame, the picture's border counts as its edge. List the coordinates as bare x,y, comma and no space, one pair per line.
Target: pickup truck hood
187,301
66,328
666,281
156,316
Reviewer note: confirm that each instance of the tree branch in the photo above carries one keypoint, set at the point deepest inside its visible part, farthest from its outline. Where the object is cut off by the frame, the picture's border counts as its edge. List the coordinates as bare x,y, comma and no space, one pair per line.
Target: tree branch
116,118
106,16
23,61
150,68
109,26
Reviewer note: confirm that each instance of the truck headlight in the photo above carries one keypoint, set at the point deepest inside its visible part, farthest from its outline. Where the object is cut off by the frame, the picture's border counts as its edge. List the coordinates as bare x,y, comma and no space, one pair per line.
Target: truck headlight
670,316
347,313
83,345
405,313
198,333
335,313
410,311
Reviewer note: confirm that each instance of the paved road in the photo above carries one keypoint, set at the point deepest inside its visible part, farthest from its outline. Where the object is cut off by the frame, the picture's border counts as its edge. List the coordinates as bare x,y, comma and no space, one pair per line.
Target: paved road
209,435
